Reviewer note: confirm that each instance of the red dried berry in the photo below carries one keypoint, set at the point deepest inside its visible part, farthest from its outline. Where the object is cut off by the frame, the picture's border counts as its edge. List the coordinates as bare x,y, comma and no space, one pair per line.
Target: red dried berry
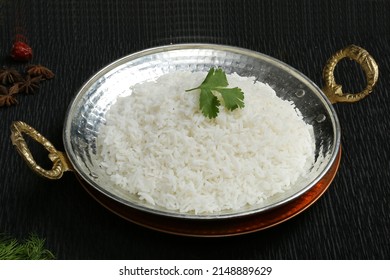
21,51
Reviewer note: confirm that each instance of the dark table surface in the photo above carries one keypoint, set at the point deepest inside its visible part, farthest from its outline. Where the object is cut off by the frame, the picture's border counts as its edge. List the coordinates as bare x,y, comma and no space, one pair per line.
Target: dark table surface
76,38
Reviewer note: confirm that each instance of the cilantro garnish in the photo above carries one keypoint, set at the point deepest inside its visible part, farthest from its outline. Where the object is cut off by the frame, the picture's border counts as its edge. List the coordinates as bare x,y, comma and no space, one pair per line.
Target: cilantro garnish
216,81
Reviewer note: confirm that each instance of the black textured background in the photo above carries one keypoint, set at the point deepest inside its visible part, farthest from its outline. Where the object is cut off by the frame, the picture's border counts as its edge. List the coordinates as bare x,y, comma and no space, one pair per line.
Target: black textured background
75,38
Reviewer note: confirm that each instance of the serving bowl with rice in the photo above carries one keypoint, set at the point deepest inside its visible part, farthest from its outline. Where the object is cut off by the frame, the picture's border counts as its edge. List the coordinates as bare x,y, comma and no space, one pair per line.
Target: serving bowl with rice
141,147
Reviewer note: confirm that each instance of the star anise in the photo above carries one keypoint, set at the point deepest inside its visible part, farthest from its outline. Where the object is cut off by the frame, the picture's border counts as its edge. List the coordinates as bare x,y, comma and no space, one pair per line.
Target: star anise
3,90
30,84
7,96
39,70
13,89
9,76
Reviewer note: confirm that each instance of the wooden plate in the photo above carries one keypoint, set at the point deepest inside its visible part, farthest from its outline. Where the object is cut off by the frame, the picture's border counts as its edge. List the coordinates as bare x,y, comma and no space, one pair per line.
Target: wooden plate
218,227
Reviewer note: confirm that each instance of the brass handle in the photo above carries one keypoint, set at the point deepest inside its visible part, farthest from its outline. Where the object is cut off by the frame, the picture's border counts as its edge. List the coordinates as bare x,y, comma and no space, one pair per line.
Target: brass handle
333,90
59,159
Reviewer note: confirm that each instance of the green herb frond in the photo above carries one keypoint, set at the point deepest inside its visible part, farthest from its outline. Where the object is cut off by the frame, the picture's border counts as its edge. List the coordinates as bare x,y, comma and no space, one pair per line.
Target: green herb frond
31,249
214,86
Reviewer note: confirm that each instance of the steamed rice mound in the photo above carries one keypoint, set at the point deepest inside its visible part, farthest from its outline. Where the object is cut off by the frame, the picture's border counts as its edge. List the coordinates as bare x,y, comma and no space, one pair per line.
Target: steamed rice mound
156,144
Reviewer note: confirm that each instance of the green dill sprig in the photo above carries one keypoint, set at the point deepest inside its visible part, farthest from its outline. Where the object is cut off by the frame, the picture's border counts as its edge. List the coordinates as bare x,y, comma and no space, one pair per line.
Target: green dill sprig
30,249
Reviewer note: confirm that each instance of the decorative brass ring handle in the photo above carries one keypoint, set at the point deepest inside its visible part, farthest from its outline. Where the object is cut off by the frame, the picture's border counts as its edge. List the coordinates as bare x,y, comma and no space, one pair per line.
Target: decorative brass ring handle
333,90
59,159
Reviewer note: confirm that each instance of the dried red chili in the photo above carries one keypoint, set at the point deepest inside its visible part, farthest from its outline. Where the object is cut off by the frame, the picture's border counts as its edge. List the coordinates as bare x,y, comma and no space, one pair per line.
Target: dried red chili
21,51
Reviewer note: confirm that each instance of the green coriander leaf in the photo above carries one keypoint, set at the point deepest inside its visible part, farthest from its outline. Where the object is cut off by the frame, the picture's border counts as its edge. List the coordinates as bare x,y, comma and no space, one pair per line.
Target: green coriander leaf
216,81
233,98
215,78
208,103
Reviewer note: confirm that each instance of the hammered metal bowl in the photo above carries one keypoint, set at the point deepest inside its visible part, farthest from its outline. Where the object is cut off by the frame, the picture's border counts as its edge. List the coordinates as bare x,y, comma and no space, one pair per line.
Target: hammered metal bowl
86,114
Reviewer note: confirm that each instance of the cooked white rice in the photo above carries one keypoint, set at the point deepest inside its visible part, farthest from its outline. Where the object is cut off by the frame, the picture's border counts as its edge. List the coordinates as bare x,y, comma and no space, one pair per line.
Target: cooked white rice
157,145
